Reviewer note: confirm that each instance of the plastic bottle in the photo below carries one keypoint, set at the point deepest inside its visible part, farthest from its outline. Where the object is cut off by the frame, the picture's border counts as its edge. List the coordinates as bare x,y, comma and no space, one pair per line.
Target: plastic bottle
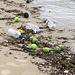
13,33
33,27
50,24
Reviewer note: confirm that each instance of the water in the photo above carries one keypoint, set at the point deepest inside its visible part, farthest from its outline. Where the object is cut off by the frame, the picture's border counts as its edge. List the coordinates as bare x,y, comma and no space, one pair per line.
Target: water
62,12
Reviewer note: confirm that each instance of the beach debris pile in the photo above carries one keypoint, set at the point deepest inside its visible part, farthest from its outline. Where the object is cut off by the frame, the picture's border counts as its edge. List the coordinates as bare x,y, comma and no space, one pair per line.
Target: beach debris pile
56,55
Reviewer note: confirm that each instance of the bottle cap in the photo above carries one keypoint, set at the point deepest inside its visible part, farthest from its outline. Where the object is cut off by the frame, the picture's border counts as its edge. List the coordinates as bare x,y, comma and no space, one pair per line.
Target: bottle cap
20,36
40,31
26,15
20,31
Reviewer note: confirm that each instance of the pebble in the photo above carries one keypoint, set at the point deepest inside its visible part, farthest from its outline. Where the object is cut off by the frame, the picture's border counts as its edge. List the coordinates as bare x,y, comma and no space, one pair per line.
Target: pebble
50,43
40,65
10,52
43,63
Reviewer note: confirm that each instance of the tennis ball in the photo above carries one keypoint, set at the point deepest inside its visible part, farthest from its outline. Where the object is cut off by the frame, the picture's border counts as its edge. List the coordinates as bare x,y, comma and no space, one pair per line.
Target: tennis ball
57,49
26,15
20,31
16,19
34,46
46,50
31,38
61,47
49,11
36,41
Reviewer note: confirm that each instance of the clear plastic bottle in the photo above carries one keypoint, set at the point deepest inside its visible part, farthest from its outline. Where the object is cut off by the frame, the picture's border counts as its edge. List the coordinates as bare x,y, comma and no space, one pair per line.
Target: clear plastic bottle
50,24
33,27
13,33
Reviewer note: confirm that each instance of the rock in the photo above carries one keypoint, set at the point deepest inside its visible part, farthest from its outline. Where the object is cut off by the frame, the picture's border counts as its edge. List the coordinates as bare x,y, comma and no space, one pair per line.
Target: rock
10,52
28,1
26,15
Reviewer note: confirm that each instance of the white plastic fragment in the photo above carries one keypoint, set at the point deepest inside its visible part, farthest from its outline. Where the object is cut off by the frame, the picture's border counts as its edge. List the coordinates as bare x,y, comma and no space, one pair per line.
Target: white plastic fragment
66,71
13,33
50,24
68,58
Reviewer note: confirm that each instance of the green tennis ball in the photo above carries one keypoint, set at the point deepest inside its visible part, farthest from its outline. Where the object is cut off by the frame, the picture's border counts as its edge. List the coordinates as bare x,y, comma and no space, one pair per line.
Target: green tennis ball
31,38
49,11
57,49
46,50
33,46
36,41
16,19
61,47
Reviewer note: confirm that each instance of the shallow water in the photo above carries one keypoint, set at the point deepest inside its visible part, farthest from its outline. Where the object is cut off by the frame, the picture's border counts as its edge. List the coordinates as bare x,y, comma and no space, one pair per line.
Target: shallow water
62,12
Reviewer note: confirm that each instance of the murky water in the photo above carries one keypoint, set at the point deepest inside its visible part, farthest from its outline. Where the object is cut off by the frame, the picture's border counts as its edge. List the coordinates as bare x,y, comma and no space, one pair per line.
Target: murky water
62,12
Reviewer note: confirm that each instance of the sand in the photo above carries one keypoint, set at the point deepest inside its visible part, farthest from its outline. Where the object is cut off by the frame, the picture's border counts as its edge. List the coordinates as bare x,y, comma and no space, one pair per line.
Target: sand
11,66
17,63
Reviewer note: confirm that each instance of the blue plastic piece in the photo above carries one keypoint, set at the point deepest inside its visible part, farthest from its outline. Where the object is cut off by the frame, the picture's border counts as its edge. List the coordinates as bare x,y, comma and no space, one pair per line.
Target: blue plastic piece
20,36
40,31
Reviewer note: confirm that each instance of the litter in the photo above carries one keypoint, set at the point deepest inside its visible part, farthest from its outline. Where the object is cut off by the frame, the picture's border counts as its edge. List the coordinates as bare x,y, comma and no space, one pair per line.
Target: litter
50,24
13,33
33,27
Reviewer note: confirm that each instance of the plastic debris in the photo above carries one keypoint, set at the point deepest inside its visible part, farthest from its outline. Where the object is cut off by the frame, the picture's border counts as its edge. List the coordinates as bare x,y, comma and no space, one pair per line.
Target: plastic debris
20,36
13,33
50,24
20,31
66,71
33,27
